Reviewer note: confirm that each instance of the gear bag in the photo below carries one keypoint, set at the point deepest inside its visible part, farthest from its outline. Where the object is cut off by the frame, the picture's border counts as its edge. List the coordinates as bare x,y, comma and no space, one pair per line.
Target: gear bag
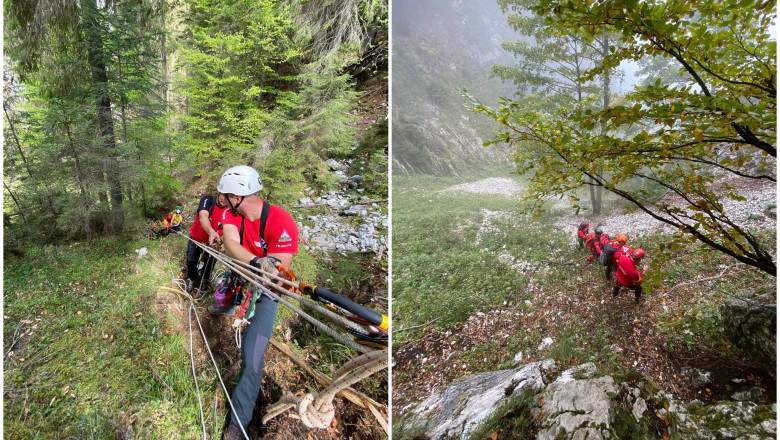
607,254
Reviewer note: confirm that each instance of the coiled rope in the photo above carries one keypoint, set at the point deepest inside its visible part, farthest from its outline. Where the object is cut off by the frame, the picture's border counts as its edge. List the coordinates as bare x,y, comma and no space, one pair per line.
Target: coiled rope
316,410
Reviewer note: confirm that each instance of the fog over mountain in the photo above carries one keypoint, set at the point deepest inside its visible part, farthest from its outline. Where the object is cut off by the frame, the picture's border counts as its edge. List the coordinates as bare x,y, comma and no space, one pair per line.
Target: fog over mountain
438,48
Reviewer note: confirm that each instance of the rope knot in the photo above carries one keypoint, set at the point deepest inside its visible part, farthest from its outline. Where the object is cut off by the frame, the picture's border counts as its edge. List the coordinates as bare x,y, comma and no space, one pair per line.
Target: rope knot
313,411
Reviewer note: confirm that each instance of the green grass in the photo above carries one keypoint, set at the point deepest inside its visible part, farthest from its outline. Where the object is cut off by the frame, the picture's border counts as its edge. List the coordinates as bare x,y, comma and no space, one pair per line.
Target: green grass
100,352
439,271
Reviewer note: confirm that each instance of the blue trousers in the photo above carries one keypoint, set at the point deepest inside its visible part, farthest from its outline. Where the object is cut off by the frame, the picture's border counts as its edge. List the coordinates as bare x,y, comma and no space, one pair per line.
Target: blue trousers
254,343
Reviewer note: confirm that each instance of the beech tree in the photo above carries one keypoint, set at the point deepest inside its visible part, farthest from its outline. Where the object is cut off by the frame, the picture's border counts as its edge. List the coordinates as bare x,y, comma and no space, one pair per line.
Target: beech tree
721,122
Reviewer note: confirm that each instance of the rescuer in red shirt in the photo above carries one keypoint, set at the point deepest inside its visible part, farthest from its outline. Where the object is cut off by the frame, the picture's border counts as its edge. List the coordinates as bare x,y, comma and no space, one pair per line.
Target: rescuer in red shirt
628,274
582,232
610,252
206,229
593,243
244,240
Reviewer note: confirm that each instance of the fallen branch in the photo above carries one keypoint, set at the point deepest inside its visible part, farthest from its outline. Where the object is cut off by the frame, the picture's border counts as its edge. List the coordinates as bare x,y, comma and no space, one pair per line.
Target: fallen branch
414,327
15,338
639,352
722,275
350,394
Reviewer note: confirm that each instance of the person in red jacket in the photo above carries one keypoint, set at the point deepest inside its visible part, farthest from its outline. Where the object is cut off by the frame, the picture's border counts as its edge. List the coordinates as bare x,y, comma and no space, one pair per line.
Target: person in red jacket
610,253
582,232
263,236
206,229
628,274
593,243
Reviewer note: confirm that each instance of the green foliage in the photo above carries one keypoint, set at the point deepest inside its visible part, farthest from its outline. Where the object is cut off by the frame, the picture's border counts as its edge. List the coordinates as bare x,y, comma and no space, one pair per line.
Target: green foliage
286,173
724,115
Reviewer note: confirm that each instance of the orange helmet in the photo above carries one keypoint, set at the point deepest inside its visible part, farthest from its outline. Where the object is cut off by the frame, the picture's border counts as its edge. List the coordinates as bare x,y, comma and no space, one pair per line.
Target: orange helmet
639,253
622,238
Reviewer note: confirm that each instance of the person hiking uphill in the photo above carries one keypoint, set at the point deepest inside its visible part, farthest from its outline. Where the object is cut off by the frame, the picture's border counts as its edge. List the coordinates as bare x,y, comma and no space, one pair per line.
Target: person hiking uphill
628,274
582,232
166,225
247,215
593,243
610,253
206,229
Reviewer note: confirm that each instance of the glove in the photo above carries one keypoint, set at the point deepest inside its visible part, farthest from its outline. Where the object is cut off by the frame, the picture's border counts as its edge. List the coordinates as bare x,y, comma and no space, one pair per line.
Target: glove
591,257
267,264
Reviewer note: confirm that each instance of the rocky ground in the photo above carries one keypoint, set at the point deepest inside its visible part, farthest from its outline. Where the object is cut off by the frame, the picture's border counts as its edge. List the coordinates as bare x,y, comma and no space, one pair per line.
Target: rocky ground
576,403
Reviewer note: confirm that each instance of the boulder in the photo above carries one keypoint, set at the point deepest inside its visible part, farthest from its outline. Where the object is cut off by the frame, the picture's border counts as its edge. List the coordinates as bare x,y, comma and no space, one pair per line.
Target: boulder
578,408
459,409
751,325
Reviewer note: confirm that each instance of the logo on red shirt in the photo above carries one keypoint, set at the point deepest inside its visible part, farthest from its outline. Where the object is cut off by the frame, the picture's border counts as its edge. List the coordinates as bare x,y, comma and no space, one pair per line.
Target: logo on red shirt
284,237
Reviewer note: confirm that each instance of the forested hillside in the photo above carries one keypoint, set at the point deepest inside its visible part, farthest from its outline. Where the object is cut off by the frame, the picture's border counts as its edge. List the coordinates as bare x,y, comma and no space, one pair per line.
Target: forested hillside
117,112
439,48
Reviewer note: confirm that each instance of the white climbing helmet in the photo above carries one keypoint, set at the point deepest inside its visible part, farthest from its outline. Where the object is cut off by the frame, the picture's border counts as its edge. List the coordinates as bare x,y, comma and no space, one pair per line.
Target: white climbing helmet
241,180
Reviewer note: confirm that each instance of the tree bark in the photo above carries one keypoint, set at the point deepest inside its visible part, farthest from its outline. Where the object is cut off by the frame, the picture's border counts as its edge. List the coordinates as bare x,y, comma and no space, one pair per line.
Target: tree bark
16,139
97,62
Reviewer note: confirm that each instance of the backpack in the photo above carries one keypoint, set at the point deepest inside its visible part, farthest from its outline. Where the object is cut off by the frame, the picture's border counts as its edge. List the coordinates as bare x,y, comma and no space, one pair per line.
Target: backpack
607,254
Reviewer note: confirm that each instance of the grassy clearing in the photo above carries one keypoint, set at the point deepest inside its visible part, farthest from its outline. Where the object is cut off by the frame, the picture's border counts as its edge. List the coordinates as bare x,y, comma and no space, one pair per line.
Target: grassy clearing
439,269
94,351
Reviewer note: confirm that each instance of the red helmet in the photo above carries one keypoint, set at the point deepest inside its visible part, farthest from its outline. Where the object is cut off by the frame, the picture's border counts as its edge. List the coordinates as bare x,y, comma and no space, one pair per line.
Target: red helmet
639,253
169,217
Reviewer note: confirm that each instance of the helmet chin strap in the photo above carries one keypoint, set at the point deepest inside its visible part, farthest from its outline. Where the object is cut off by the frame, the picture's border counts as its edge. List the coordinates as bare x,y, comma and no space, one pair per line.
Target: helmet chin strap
235,208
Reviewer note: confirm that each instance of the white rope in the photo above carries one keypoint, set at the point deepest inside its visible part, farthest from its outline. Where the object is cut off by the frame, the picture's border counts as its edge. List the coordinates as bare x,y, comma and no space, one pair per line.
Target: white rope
179,283
339,337
194,376
316,410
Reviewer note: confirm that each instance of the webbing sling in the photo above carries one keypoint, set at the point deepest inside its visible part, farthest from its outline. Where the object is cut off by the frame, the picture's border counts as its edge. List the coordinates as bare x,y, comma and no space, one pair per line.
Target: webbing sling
261,231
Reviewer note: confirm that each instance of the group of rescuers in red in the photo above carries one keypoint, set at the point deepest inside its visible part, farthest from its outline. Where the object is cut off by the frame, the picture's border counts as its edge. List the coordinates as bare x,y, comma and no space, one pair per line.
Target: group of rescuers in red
616,256
254,232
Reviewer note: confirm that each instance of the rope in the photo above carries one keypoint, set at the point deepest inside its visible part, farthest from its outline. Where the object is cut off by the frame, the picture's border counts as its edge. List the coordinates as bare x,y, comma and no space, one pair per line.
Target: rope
180,284
335,335
194,376
680,274
317,411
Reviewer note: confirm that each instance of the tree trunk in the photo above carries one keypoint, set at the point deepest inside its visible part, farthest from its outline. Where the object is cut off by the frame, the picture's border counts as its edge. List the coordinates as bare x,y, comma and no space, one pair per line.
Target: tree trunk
84,208
16,138
16,201
97,62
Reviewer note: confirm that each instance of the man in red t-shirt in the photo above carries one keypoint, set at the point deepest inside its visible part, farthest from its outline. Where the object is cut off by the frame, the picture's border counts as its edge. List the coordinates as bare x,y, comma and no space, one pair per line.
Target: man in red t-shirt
206,229
263,236
628,274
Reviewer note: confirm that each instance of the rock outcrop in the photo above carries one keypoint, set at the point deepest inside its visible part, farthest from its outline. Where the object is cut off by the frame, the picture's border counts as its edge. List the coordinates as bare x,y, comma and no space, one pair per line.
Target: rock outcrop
580,403
751,325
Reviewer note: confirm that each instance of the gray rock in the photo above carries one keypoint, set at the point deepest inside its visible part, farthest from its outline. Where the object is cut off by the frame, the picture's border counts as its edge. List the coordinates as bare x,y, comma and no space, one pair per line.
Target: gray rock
459,409
354,210
699,378
578,409
351,248
640,406
752,326
323,241
334,165
754,394
546,342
